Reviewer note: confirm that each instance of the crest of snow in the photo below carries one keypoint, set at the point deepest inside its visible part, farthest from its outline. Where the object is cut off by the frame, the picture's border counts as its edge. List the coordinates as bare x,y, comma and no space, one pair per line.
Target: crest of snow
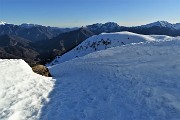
107,40
159,24
22,92
132,82
2,23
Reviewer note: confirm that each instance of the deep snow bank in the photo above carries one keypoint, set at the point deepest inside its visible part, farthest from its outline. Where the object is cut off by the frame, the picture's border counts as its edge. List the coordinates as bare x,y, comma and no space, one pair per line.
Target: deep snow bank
133,82
22,92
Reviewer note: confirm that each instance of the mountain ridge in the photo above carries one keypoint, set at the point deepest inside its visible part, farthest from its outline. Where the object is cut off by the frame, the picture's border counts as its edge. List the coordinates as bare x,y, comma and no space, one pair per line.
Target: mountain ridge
104,41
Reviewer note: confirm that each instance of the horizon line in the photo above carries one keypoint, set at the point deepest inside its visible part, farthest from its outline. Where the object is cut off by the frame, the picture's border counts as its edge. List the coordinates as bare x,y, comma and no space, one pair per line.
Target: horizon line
70,26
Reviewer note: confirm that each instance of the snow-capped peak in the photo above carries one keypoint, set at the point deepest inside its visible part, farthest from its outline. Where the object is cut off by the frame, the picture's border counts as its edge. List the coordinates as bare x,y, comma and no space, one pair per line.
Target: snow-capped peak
2,23
28,25
108,24
111,24
159,24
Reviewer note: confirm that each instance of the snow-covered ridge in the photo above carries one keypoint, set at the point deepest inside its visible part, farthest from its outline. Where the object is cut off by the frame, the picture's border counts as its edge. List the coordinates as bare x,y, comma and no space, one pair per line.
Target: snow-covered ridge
132,82
29,25
159,24
107,40
103,27
162,24
22,92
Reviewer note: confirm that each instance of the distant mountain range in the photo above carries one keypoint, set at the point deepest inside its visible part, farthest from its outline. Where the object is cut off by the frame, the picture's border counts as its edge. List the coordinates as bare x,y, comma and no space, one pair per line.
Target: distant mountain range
40,52
111,26
32,32
35,32
163,24
13,47
156,28
38,44
61,44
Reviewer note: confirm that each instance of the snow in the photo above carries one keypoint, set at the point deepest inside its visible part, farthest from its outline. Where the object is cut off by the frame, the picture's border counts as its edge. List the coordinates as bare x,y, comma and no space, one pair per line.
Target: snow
159,24
28,25
107,40
2,23
131,82
109,26
22,92
134,80
163,24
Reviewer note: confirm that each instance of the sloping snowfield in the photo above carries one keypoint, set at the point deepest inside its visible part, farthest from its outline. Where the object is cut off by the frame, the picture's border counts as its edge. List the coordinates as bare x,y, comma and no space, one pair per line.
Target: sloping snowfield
22,92
132,82
107,40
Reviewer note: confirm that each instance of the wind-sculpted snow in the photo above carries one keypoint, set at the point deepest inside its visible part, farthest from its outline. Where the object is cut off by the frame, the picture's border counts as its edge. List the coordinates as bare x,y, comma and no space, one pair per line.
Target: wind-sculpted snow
22,92
107,40
132,82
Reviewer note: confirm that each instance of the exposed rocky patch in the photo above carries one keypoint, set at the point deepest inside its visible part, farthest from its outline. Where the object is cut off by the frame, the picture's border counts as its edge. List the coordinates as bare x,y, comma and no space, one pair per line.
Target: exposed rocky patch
42,70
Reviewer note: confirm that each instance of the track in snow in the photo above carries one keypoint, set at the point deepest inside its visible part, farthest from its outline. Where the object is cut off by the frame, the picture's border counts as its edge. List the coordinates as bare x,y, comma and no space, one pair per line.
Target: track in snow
133,82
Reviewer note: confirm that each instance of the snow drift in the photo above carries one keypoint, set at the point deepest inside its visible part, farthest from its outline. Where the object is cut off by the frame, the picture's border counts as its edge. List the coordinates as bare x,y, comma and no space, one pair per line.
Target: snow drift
22,92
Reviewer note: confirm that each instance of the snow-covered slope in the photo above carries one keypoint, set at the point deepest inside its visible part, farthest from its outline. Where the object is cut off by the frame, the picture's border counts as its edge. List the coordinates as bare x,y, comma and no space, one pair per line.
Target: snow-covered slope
159,24
132,82
107,40
22,92
162,24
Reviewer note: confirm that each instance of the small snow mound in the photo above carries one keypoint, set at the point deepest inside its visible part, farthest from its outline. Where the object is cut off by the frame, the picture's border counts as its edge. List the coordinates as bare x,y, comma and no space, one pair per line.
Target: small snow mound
22,92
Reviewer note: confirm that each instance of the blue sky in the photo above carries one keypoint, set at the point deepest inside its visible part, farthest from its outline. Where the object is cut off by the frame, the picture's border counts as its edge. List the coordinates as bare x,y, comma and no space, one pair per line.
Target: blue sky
70,13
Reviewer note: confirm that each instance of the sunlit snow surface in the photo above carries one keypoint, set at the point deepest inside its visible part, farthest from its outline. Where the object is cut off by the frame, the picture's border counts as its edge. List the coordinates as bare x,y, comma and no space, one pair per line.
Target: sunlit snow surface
22,92
132,82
